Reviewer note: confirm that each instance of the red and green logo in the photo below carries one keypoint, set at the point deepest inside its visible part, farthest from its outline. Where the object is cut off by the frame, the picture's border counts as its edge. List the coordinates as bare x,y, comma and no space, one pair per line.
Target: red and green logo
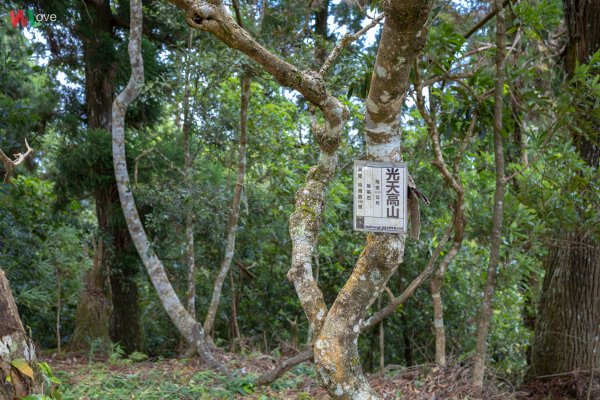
29,18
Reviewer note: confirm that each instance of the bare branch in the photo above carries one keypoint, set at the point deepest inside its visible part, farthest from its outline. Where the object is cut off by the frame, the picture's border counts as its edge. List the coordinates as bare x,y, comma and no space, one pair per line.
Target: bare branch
346,40
10,165
410,289
276,373
484,20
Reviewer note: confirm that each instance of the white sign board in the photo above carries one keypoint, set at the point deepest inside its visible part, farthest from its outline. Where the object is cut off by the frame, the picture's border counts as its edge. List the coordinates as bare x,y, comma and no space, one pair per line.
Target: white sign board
380,193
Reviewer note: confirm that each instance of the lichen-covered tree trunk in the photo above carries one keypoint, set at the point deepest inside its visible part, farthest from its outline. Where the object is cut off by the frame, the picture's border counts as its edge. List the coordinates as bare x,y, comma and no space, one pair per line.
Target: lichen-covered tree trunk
336,351
568,322
189,328
19,374
235,207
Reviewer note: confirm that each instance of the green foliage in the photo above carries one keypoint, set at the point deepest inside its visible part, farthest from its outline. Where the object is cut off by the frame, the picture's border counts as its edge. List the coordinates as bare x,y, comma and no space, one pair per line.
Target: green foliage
27,98
52,384
37,247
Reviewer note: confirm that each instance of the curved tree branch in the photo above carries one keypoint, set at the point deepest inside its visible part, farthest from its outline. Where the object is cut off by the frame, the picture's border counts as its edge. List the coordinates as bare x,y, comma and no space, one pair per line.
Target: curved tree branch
190,329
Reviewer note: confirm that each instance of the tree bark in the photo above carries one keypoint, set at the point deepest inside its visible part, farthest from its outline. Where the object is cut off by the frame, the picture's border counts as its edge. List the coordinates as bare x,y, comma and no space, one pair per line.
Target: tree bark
123,310
125,325
336,352
381,342
321,23
17,352
567,328
187,170
93,308
235,329
483,321
235,207
58,307
568,322
185,323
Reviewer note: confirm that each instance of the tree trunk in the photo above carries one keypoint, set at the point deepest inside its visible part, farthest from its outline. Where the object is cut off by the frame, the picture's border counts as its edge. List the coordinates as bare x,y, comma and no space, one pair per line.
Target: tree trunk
567,329
321,24
235,329
235,207
58,307
17,353
93,308
381,342
187,170
189,328
458,213
336,351
568,322
125,324
122,265
123,312
485,313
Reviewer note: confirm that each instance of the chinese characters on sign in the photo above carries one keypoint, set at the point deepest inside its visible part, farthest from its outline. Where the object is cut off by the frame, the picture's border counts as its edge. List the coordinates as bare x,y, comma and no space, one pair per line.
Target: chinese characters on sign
380,191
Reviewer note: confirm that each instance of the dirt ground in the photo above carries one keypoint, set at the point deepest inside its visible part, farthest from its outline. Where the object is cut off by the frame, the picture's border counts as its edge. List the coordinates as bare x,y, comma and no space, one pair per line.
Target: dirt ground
425,382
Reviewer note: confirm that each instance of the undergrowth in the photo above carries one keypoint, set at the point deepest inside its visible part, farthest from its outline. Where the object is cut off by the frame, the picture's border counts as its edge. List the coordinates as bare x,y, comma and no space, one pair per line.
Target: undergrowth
170,379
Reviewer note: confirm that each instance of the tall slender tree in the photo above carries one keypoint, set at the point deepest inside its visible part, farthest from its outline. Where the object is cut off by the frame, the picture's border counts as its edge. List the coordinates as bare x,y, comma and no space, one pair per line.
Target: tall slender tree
232,223
190,329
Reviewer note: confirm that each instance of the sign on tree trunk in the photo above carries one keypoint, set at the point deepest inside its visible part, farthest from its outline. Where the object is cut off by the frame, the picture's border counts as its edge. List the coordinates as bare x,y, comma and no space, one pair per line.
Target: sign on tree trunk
380,195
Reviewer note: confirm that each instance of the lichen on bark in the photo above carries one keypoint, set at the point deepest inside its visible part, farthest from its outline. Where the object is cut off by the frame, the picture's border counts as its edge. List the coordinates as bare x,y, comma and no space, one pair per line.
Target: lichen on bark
337,331
17,352
189,328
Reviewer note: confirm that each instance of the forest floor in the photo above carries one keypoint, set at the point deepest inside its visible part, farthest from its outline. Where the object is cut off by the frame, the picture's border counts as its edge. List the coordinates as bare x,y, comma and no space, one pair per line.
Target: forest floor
84,379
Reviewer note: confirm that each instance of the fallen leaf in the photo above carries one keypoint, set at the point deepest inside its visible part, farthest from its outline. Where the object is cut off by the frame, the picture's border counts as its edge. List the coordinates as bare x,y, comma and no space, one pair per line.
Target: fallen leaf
23,367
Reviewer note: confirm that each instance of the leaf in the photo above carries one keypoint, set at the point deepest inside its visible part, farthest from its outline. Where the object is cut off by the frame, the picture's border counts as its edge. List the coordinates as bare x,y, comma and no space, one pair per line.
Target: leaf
23,367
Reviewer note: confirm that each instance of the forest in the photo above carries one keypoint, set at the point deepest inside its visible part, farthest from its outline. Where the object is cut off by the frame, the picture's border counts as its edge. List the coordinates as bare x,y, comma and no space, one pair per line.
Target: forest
182,213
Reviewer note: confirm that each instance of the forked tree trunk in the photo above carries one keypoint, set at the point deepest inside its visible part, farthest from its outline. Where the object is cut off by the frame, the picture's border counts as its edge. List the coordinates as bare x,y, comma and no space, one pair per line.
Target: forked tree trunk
19,374
336,350
568,322
235,207
189,328
403,37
